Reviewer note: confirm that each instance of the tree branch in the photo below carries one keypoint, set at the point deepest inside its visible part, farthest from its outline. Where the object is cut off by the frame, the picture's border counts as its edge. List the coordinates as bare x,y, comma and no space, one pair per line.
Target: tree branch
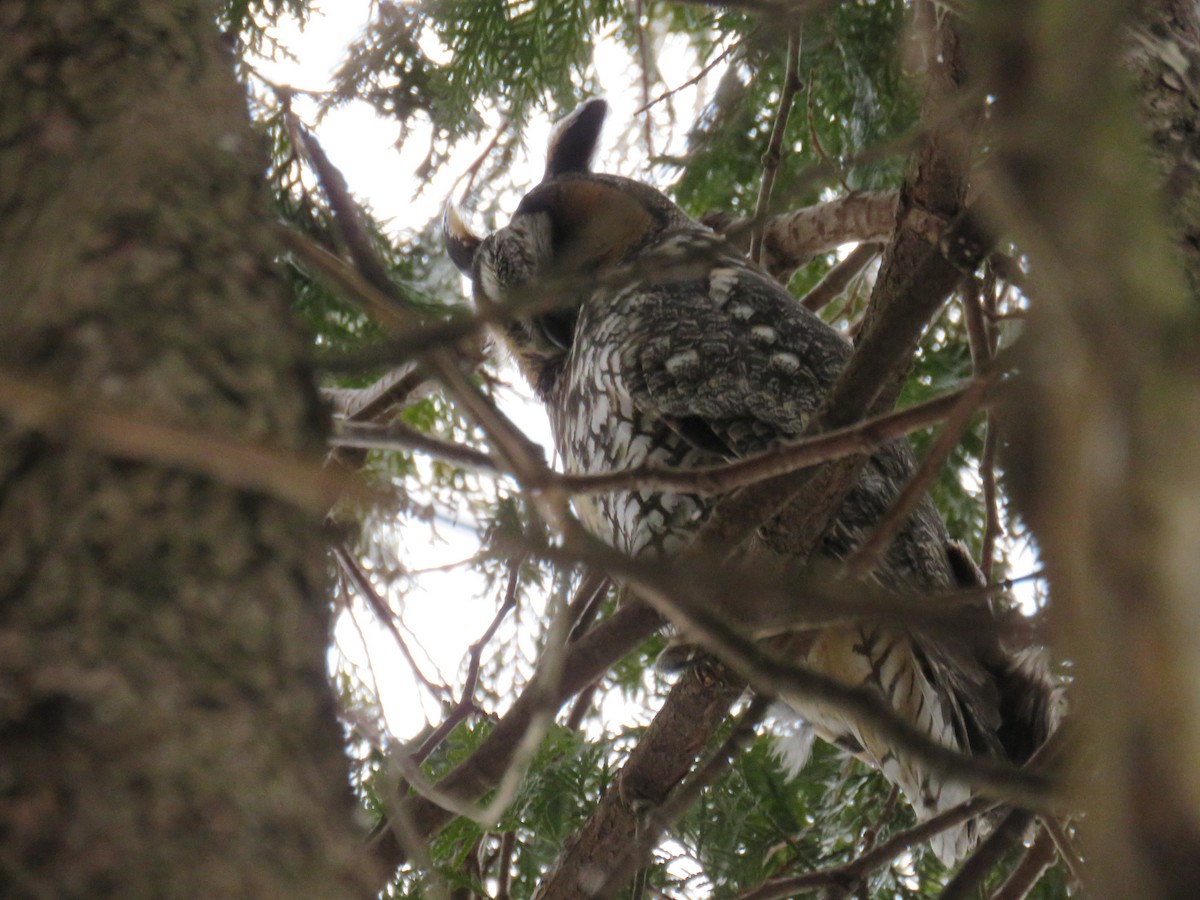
123,433
850,873
837,279
771,157
793,238
1029,871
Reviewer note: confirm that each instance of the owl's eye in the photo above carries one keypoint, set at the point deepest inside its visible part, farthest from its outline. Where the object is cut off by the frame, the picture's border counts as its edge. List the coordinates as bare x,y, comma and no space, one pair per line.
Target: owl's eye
558,328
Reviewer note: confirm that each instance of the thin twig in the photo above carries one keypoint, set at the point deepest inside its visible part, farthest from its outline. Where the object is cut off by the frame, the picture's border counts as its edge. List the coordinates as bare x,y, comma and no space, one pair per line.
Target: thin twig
977,328
404,831
644,63
992,526
815,138
466,702
982,352
865,558
356,576
544,689
1066,848
774,151
987,856
508,843
516,452
861,438
399,436
787,605
855,870
586,660
838,278
871,835
720,478
589,597
472,171
391,391
767,673
708,67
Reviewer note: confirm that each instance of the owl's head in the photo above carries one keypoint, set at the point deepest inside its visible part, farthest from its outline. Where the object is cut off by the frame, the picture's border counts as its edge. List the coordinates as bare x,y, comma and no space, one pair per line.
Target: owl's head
575,232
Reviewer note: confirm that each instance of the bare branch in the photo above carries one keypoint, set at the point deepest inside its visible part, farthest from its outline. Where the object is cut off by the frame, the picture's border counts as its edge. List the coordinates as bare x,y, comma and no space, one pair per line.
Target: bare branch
861,438
695,708
707,624
393,390
852,872
657,820
696,79
838,278
277,471
793,238
585,660
774,151
1055,827
398,436
645,63
869,552
466,702
518,454
384,615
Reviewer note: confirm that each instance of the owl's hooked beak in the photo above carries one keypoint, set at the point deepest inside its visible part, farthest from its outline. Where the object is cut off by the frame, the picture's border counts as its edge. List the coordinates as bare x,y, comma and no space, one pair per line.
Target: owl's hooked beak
461,243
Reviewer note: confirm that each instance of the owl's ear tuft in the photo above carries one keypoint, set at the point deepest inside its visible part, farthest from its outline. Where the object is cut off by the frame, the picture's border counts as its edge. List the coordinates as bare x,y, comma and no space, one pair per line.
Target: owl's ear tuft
574,140
461,243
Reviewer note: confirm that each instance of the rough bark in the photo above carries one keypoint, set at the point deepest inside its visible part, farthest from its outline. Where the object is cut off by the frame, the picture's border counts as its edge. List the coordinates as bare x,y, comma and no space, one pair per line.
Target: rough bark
166,727
1106,452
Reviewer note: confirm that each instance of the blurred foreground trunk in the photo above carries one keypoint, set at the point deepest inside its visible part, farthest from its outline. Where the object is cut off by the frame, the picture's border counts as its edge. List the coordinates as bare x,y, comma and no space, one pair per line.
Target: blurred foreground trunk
166,727
1106,454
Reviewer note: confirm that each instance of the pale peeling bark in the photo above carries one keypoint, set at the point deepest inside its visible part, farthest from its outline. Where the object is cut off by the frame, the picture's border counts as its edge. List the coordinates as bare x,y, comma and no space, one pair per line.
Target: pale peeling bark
166,728
1106,450
793,238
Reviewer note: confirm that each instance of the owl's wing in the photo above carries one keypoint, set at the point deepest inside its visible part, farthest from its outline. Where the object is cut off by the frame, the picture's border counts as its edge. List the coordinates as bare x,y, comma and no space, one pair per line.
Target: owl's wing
735,365
729,360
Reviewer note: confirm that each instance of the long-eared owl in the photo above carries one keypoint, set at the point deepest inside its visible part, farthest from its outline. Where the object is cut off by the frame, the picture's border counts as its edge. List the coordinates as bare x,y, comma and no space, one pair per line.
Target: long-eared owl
653,341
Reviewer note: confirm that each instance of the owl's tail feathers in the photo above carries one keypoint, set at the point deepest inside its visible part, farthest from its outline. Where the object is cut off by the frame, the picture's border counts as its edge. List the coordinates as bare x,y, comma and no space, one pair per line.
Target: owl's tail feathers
1031,703
1007,707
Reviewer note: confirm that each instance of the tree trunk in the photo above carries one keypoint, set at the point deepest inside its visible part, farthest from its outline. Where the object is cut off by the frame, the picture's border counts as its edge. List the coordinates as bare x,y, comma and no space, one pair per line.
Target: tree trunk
1106,453
166,727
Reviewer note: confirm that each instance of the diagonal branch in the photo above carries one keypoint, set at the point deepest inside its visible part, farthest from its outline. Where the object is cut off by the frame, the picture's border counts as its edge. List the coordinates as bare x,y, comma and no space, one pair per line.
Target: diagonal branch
862,438
852,872
125,434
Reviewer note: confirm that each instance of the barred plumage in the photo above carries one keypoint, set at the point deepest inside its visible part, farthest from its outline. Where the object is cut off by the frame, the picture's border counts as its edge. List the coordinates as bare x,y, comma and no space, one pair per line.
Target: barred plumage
670,348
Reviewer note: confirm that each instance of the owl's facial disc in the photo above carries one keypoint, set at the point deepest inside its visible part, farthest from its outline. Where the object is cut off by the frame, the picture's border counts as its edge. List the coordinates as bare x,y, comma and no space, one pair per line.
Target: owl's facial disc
511,260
